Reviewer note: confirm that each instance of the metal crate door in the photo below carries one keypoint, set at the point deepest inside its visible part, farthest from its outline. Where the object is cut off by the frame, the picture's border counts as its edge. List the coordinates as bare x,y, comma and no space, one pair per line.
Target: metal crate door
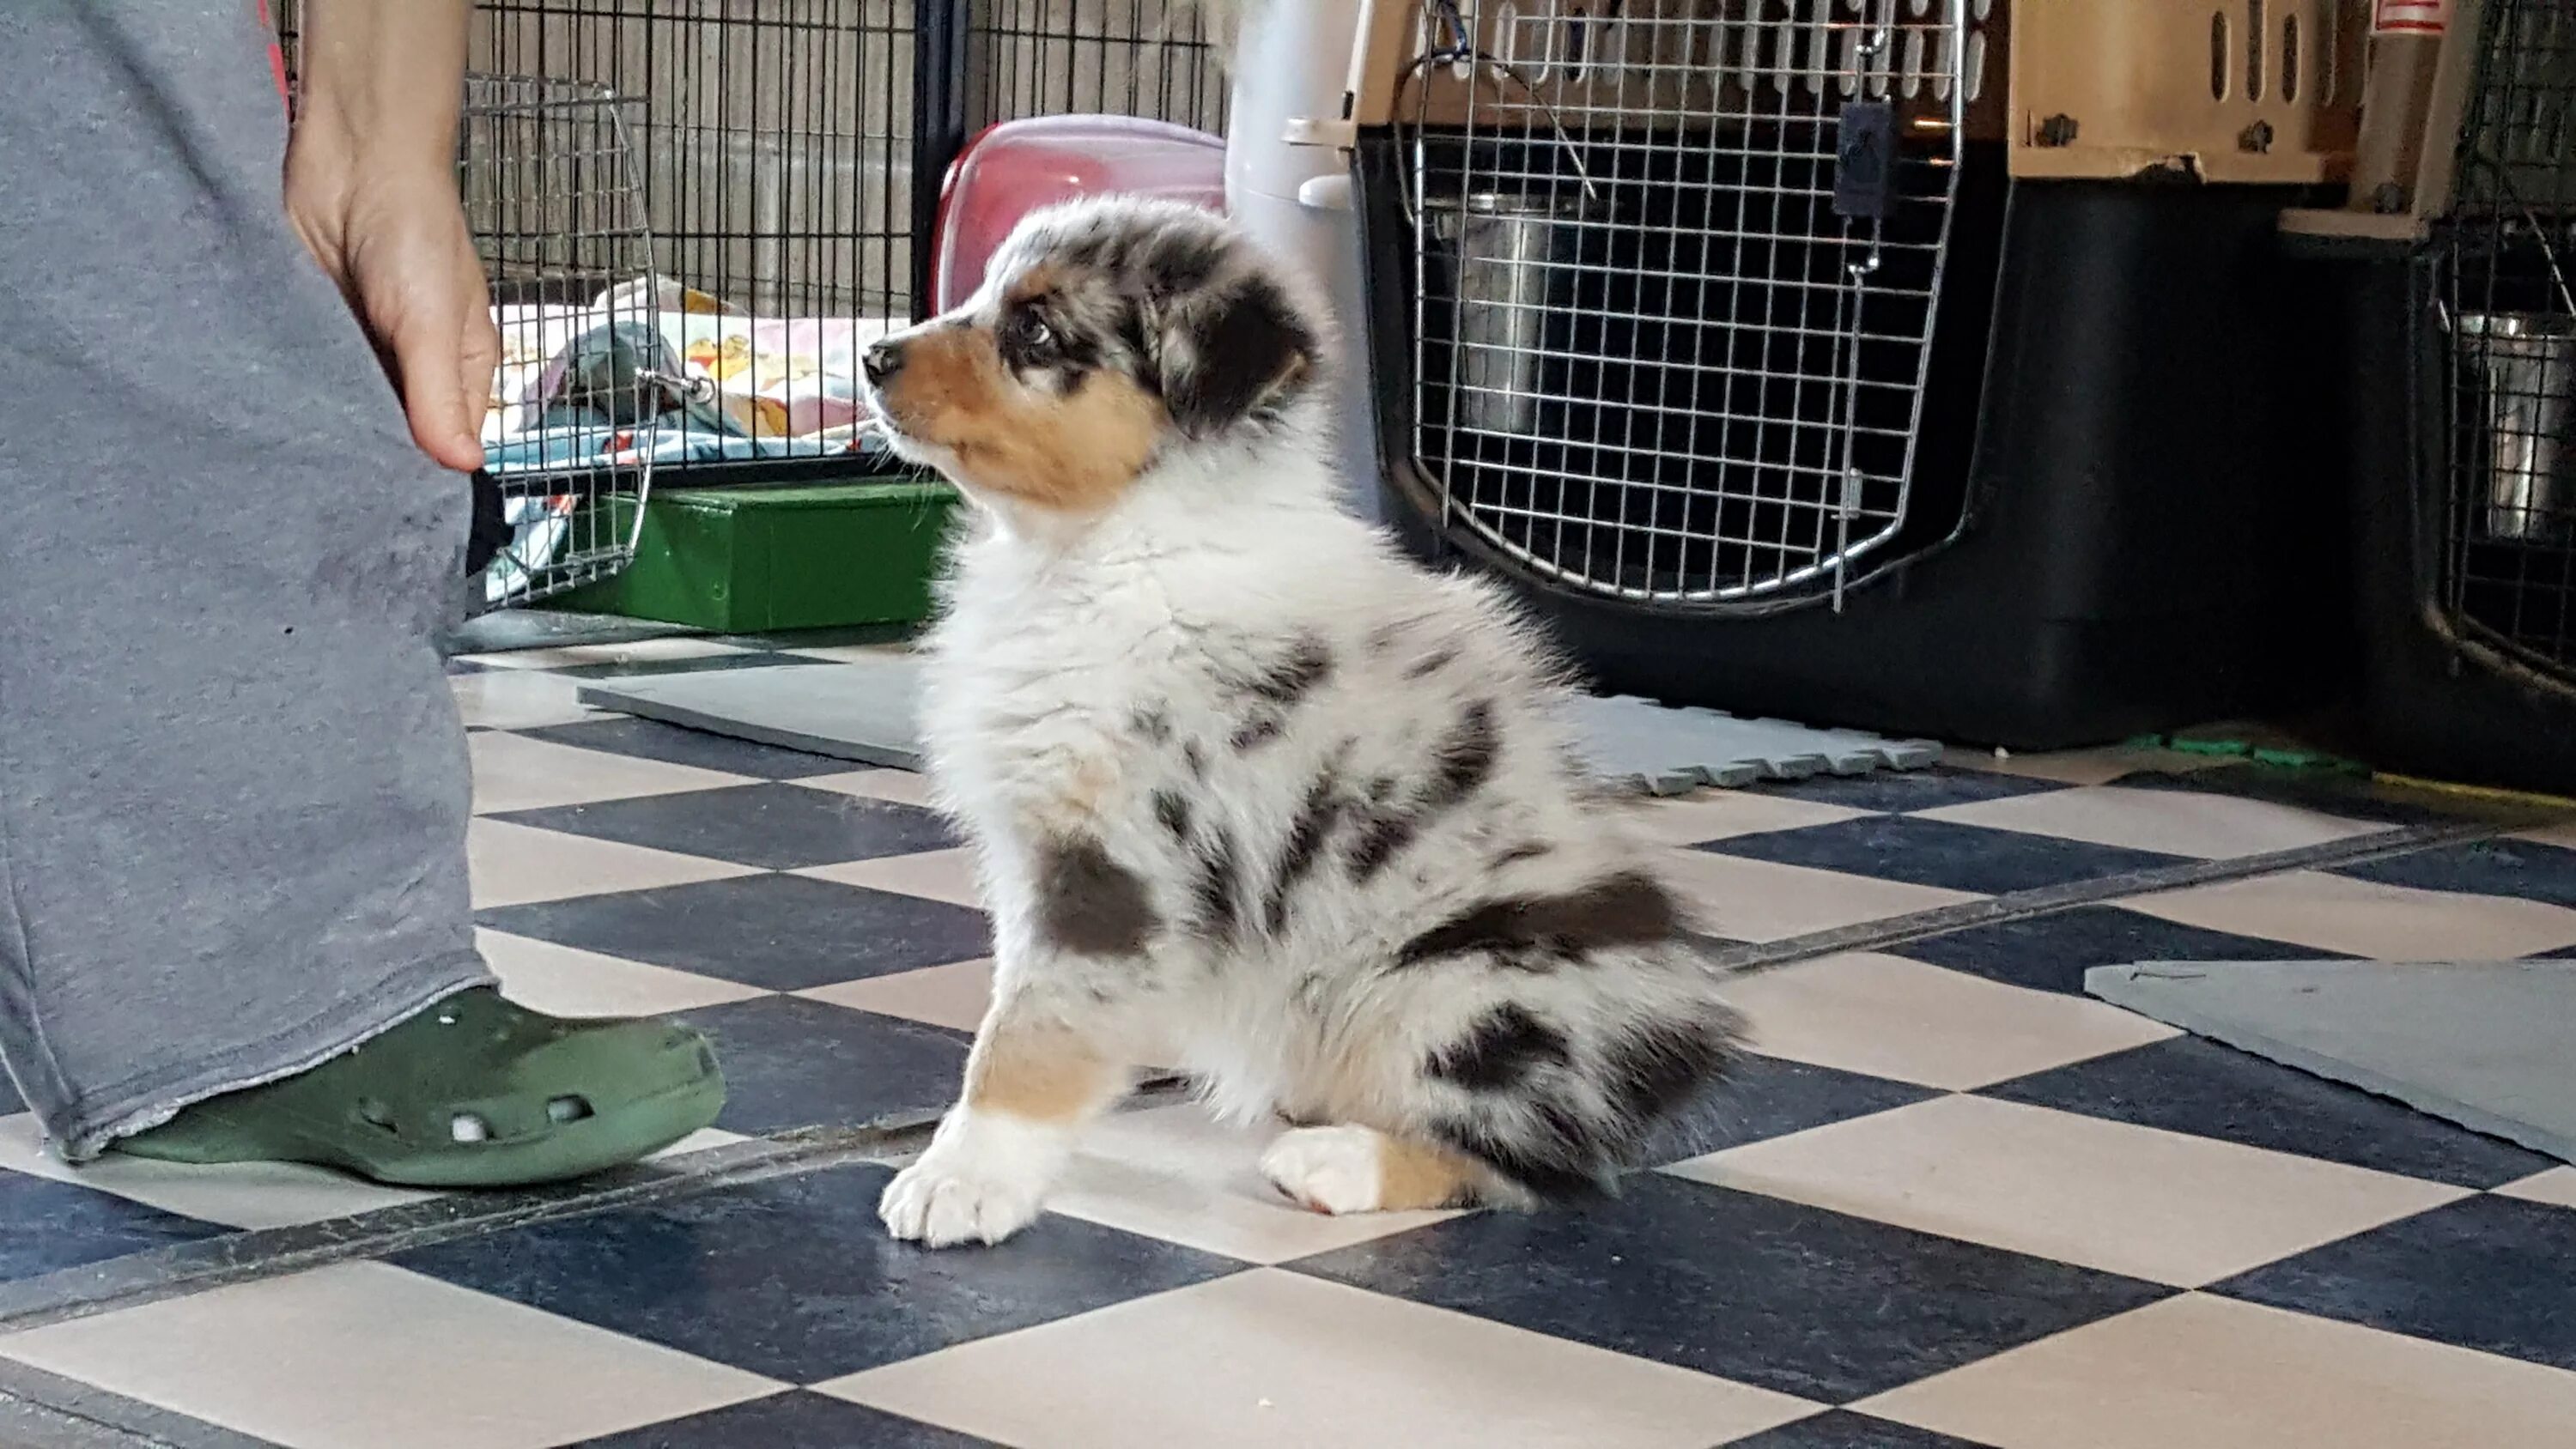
554,198
2502,268
1671,344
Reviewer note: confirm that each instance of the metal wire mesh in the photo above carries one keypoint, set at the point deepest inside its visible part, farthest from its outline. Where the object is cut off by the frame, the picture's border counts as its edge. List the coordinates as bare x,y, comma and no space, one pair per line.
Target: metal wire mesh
1123,57
548,174
2508,516
1654,360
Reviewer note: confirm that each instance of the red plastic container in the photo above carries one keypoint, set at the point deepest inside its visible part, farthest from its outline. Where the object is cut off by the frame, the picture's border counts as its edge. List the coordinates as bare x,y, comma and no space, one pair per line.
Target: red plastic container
1016,167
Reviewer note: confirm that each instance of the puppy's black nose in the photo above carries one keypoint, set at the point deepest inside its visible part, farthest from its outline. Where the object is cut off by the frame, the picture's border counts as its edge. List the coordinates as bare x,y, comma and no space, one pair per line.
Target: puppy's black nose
883,361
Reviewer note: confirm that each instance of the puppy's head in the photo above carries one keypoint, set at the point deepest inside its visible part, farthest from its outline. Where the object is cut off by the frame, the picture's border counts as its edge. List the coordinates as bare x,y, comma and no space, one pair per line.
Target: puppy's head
1109,336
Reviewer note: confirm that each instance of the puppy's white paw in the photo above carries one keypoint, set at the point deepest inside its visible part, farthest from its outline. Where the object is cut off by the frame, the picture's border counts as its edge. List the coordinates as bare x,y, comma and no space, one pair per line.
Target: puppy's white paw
1329,1169
970,1187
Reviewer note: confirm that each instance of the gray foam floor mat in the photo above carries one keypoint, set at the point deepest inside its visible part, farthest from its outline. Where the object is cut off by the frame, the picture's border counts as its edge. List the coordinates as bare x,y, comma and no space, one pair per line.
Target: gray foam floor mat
864,711
2481,1043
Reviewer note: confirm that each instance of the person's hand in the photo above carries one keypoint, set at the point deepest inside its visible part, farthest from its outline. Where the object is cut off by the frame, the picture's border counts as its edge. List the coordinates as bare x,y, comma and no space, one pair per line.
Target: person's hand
398,248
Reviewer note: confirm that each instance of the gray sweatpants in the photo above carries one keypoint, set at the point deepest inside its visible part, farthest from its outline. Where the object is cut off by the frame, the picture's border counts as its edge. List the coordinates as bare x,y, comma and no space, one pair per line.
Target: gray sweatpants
233,786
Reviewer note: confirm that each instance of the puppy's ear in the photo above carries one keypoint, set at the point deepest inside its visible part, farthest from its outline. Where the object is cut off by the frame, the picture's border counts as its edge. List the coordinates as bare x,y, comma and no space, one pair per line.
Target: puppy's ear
1229,353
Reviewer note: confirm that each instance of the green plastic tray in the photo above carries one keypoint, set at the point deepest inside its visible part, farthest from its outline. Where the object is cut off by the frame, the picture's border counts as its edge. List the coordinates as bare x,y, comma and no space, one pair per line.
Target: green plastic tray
746,560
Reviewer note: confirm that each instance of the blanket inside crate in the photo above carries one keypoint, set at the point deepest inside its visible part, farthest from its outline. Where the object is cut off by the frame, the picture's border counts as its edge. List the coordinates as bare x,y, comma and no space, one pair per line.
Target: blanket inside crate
567,395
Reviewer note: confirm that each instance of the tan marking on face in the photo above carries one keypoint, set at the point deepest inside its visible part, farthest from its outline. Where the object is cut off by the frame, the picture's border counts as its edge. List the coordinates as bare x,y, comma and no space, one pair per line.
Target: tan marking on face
1041,1071
1076,453
1037,280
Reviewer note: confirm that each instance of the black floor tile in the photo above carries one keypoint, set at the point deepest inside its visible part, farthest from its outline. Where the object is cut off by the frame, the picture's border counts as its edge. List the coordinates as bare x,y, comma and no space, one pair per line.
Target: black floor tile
2052,952
790,1062
2491,1273
793,1420
2186,1084
1808,1302
1842,1429
1769,1097
646,739
1939,853
2486,867
46,1226
796,1279
777,932
775,826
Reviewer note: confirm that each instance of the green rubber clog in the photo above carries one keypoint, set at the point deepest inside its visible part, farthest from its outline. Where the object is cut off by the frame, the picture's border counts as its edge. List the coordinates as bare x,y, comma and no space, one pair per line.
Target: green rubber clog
473,1092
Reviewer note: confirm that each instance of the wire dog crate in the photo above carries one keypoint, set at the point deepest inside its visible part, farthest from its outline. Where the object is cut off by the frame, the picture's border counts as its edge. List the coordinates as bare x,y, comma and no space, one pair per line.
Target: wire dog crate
2461,354
2501,268
555,203
1676,266
1917,365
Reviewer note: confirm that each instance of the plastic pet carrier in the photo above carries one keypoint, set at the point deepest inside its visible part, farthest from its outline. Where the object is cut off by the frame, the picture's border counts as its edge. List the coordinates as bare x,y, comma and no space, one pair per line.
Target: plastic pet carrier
2462,348
1920,365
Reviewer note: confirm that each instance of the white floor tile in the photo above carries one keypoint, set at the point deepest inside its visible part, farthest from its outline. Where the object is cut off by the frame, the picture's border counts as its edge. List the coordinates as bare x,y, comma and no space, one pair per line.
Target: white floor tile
512,772
237,1195
2211,1373
517,865
2140,1201
365,1354
566,981
1267,1358
1890,1017
1174,1173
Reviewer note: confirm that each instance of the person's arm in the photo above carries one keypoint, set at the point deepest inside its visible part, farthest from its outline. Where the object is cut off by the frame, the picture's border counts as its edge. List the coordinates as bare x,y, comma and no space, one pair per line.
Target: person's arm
371,188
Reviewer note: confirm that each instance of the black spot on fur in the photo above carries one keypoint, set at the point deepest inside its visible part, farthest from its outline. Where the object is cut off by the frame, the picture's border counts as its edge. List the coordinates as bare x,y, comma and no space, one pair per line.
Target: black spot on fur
1652,1069
1377,842
1179,265
1461,762
1628,909
1431,663
1464,758
1089,904
1173,812
1505,1046
1153,724
1194,758
1220,888
1257,731
1307,664
1554,1154
1306,838
1234,353
1526,850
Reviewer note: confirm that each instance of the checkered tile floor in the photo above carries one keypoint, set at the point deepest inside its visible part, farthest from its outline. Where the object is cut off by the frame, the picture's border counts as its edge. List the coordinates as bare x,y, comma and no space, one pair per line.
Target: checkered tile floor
1954,1202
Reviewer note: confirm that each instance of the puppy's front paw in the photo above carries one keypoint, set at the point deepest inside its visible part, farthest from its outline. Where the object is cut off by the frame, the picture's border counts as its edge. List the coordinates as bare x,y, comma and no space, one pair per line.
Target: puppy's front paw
1329,1169
970,1187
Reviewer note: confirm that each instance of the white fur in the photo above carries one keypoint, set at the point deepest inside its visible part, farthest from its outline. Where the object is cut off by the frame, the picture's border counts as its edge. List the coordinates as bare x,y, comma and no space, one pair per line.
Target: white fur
1061,632
983,1179
1330,1169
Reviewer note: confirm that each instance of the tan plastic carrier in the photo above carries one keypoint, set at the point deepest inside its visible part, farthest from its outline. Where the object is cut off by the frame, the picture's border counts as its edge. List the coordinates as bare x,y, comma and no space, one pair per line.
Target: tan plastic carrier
2244,91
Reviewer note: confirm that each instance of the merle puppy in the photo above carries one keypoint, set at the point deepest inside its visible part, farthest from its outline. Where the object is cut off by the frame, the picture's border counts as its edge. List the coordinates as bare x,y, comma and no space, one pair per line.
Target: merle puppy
1251,795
